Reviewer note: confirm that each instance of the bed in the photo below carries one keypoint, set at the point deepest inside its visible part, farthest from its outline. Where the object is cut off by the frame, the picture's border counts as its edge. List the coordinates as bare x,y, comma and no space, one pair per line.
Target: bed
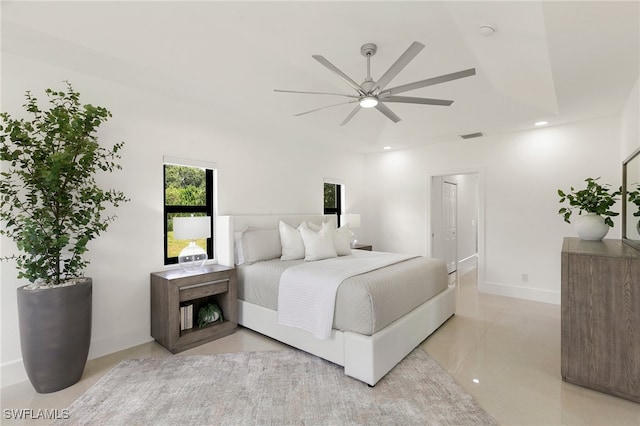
372,326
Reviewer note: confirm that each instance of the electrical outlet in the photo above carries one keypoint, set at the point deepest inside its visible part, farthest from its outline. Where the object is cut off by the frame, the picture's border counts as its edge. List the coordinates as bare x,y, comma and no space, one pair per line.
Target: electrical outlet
525,278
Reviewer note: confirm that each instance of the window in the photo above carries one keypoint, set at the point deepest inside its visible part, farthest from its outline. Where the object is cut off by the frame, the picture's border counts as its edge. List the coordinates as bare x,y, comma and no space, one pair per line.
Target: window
333,199
188,191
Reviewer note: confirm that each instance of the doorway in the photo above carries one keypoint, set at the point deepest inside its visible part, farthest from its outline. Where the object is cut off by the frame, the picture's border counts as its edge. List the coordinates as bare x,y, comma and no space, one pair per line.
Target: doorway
455,222
445,219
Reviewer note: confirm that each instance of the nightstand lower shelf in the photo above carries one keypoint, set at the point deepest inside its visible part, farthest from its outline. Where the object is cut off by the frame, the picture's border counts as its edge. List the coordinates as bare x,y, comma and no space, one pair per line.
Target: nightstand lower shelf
196,336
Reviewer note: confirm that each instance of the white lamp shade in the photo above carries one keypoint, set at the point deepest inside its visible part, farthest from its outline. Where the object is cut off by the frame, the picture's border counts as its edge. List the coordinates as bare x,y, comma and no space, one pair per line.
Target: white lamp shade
352,219
191,228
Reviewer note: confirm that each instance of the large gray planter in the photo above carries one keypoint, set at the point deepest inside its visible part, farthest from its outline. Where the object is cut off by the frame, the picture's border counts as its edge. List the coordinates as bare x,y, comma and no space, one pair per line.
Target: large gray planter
55,333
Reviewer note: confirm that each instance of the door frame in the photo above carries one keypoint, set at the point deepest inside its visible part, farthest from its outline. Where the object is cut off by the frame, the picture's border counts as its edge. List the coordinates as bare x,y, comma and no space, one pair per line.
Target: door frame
481,172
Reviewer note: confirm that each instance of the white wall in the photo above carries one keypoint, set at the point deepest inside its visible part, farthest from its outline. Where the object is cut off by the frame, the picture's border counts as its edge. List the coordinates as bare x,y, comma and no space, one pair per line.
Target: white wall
261,170
522,173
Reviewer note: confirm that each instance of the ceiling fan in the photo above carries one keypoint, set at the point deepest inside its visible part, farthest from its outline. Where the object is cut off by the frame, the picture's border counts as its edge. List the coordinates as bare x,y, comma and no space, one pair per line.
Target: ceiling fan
372,94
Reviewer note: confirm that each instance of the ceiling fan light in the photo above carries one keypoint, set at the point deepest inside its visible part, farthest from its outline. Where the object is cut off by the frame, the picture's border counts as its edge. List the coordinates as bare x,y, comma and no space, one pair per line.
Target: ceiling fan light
368,102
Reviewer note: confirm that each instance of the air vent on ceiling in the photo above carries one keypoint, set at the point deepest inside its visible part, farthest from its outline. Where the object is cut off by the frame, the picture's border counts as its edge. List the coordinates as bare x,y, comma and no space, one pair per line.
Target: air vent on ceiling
472,135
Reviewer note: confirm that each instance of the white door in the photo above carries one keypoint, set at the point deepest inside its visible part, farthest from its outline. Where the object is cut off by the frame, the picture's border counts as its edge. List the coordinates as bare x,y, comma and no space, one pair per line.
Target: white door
449,222
443,222
457,236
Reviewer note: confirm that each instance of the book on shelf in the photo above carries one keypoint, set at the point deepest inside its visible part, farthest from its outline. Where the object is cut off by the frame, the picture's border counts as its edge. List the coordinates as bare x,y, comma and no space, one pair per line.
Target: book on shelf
186,316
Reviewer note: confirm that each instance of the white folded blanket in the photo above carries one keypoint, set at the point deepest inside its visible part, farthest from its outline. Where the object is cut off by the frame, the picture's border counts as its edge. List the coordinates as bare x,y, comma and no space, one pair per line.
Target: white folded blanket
307,292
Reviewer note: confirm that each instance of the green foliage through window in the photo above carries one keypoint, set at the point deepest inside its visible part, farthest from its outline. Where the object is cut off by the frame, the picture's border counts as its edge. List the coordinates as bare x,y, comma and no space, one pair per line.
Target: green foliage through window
185,186
330,191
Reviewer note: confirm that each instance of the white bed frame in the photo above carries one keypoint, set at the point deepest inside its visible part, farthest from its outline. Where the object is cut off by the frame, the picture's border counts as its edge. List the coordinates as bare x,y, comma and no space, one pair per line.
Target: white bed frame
366,358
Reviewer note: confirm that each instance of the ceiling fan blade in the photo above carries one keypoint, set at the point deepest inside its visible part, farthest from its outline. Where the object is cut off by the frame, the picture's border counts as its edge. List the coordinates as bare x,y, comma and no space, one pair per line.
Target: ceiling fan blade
428,82
342,75
386,111
315,93
412,100
325,107
351,114
399,65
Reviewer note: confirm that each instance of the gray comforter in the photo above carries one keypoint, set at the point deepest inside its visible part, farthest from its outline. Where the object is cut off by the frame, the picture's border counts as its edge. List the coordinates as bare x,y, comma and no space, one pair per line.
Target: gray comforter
365,303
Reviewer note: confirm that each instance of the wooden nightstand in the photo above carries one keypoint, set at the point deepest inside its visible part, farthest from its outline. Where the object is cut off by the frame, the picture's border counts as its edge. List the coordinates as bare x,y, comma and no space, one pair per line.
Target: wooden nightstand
363,247
170,289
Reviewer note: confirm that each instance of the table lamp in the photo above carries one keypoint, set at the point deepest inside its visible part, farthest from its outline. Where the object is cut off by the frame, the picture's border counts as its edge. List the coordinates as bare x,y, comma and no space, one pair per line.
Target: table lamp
192,257
353,220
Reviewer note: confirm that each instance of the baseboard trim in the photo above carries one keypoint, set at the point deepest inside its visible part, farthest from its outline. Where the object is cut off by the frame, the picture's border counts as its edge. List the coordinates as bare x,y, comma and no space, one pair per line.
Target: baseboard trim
528,293
13,372
467,264
118,342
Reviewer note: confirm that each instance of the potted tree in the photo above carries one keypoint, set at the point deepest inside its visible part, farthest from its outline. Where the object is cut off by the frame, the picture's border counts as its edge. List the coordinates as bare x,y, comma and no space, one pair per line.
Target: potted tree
51,206
594,205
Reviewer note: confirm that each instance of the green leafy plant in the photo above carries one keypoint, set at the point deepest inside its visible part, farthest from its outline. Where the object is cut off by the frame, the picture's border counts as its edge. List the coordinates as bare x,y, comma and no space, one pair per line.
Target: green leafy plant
208,314
51,204
634,198
595,198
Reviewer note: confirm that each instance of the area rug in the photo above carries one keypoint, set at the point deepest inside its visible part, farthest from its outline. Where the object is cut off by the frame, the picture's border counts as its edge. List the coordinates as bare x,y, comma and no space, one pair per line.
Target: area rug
286,387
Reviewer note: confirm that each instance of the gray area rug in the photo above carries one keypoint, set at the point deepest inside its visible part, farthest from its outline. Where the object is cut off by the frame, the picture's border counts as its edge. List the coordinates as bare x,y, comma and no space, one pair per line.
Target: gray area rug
272,388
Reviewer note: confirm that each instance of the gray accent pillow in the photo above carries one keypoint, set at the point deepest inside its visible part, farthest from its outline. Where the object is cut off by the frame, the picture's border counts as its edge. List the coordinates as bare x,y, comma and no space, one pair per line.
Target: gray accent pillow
260,244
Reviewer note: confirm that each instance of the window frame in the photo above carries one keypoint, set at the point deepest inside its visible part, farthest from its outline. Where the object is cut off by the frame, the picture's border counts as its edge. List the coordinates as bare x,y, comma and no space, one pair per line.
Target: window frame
337,210
208,209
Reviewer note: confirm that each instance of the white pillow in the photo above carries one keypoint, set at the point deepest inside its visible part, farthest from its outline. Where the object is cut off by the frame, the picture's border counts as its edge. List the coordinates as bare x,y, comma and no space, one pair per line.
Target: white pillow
318,245
260,244
342,240
313,226
239,254
291,241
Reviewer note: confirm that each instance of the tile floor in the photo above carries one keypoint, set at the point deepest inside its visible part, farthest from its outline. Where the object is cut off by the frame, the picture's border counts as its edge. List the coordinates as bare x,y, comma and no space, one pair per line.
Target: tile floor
506,352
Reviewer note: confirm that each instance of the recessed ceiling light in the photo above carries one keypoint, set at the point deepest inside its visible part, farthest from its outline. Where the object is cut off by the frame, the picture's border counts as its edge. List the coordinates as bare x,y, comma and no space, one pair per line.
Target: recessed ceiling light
540,123
487,30
386,148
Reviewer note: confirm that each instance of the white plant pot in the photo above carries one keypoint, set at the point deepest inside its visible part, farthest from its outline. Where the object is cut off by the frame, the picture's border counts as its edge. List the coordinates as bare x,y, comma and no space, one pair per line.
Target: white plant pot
591,226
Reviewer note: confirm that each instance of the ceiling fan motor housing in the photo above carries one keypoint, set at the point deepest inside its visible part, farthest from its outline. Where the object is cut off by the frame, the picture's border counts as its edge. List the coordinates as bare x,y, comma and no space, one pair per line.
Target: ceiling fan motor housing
367,85
369,49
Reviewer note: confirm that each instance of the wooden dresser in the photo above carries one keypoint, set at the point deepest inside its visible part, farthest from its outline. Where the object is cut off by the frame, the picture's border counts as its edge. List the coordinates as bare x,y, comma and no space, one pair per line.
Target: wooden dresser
601,316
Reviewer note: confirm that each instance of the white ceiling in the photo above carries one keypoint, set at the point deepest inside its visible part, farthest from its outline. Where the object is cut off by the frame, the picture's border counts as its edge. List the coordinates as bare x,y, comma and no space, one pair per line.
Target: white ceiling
554,61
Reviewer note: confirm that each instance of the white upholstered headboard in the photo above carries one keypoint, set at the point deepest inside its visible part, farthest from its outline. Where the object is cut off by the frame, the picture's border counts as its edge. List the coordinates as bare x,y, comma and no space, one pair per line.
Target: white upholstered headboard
226,226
